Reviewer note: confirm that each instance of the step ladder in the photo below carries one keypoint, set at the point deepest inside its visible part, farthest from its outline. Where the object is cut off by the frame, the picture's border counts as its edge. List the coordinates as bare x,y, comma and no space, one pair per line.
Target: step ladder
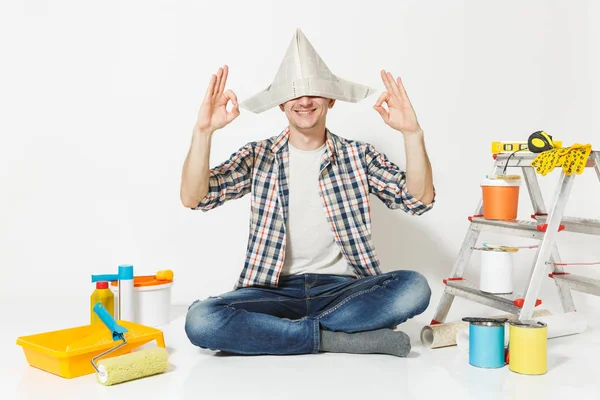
544,226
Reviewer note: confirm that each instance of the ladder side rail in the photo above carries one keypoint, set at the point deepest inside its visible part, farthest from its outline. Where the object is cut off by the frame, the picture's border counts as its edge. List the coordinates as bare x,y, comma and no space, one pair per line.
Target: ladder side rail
539,208
547,244
535,193
564,291
457,272
597,165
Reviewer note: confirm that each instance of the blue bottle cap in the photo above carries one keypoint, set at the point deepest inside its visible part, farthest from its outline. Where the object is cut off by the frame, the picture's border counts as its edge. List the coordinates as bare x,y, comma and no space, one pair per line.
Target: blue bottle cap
125,272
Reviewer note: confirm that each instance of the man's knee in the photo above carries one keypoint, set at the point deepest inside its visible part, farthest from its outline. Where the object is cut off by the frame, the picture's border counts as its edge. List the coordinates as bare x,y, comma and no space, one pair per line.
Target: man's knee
200,323
422,291
414,292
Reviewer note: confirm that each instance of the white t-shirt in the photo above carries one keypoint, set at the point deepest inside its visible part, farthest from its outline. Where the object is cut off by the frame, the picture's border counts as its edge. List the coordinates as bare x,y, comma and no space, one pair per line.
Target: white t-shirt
310,246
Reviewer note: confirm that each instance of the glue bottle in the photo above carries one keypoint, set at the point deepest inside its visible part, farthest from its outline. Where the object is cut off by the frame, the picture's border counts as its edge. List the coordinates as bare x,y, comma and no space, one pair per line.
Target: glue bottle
105,296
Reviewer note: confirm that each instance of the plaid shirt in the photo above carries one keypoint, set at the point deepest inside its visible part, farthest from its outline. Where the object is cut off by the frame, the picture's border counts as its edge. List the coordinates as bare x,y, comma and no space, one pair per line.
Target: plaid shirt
350,171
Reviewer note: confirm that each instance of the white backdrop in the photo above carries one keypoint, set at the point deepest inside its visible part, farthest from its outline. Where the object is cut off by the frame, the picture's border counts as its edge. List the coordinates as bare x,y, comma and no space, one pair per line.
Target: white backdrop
98,102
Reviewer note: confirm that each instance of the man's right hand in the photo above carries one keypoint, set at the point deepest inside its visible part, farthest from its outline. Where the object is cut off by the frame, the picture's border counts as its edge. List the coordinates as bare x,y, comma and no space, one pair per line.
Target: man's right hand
213,113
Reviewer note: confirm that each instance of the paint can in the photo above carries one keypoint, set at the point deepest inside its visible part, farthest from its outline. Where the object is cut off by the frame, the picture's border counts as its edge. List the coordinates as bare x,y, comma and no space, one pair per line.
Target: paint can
486,342
527,345
500,195
152,299
496,275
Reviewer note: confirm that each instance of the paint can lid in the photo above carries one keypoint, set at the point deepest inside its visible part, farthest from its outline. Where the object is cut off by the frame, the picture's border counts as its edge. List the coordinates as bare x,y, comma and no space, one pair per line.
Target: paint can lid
501,180
487,323
479,321
527,324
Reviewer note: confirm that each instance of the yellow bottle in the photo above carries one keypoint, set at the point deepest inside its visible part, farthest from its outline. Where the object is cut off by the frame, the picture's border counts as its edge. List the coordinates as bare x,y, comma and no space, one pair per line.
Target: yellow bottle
105,296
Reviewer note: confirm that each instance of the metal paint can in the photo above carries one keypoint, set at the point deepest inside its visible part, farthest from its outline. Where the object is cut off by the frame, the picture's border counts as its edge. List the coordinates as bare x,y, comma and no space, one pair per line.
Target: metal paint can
527,345
486,344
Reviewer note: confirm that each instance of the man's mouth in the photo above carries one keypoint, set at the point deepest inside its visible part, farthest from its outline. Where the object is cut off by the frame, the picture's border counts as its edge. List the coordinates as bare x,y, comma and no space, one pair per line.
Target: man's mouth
304,113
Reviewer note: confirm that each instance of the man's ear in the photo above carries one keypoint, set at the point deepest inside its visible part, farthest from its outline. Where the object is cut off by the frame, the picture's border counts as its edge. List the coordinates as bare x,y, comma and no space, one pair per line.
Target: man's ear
281,107
331,102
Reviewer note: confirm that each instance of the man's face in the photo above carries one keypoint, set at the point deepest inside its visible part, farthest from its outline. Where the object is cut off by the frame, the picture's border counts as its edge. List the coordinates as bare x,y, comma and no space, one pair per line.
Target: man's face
307,112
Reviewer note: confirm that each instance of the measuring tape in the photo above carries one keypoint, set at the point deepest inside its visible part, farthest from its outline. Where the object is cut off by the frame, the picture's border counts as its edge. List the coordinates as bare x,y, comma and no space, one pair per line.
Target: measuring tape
540,141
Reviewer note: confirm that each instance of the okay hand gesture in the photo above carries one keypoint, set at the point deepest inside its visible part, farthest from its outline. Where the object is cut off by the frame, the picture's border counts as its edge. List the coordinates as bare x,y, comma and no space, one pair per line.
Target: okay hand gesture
213,113
400,114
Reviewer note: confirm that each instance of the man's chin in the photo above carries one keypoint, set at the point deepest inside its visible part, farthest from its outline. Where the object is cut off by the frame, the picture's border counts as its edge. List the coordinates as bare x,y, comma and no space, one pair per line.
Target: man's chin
306,130
305,125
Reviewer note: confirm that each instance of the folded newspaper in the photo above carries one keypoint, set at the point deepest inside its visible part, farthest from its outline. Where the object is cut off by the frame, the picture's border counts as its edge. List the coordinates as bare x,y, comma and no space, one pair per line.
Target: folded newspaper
303,73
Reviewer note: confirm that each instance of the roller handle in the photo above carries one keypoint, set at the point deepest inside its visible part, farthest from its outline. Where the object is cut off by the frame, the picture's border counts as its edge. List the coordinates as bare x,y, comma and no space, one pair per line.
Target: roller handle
116,329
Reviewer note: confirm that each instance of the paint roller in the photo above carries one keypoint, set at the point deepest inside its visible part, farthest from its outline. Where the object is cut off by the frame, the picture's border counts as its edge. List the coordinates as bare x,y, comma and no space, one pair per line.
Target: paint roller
127,367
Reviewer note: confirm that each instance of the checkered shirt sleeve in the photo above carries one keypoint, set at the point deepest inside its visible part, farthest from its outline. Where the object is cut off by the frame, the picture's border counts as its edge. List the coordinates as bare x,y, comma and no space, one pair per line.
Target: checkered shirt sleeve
388,182
232,179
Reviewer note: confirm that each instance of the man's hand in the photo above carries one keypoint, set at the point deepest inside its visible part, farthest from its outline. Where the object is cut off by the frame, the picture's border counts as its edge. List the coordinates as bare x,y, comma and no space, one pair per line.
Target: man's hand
213,113
400,114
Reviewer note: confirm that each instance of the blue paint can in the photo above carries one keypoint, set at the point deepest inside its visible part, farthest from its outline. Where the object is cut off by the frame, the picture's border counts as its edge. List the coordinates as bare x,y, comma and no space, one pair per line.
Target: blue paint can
486,342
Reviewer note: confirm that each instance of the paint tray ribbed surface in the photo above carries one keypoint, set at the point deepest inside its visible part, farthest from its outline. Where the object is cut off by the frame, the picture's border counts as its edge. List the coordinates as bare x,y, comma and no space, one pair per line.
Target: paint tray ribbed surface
68,352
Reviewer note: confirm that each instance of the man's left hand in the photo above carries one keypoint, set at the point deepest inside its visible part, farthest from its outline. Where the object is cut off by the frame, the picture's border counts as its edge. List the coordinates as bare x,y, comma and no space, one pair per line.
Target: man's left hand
400,114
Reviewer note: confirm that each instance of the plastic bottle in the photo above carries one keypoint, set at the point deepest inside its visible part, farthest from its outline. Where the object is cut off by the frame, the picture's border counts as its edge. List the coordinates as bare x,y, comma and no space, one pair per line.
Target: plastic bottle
105,296
126,293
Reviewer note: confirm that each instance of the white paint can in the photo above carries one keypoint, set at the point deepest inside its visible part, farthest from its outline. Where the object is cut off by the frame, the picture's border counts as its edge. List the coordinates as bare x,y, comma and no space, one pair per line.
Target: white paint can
151,298
496,275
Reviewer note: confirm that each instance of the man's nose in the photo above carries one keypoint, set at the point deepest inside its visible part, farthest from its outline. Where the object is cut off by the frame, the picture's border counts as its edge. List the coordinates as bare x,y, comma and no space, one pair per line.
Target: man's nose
305,101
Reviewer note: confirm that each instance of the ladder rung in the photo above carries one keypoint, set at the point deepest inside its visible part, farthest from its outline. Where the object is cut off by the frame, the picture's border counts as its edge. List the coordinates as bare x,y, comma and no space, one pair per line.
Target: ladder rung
528,229
573,224
470,290
580,283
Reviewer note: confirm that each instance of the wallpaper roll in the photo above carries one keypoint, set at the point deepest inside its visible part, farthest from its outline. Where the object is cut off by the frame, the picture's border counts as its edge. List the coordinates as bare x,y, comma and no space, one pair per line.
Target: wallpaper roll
443,335
558,325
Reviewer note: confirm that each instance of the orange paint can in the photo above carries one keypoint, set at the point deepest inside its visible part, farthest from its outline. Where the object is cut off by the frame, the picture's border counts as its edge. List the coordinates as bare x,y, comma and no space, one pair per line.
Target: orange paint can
501,197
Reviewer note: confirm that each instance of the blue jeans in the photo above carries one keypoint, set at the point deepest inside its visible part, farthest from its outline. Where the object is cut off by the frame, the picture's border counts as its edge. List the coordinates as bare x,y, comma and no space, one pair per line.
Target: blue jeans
288,319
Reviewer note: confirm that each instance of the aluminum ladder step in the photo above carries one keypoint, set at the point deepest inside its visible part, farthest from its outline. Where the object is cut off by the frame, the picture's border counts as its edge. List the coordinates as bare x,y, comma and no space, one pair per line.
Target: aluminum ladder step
470,291
527,229
572,224
579,283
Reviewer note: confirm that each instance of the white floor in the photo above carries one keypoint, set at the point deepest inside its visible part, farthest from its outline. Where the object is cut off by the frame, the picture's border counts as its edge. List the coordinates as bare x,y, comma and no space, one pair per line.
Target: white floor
198,374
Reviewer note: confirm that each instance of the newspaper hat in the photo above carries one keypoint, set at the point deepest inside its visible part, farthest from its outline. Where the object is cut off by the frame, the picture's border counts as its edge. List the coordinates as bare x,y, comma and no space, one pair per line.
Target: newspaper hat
303,73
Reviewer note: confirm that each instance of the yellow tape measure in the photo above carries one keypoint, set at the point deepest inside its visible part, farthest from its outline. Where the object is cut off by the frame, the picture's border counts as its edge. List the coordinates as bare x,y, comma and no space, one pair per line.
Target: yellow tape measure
540,141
